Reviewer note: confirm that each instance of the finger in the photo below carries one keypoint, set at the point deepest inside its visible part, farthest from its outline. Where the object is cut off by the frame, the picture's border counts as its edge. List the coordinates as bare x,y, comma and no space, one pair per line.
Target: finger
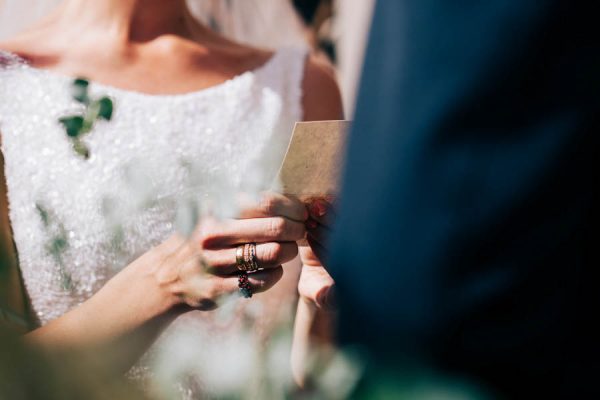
273,205
308,256
326,298
259,230
259,281
318,249
319,233
268,255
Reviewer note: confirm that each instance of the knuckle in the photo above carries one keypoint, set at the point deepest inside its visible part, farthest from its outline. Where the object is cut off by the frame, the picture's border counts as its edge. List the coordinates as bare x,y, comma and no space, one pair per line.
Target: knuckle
269,205
272,253
297,206
212,290
213,293
277,227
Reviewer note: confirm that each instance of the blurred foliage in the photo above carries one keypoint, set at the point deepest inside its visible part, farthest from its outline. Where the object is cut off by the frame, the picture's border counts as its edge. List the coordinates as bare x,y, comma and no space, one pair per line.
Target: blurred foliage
79,125
57,244
415,383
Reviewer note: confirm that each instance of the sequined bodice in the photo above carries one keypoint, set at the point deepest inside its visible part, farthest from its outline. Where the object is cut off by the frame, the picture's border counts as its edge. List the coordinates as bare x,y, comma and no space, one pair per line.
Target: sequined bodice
76,222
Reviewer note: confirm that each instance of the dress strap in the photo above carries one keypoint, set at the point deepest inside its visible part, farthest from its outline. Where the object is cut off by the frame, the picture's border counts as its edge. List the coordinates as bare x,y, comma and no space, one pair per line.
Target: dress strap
296,70
285,75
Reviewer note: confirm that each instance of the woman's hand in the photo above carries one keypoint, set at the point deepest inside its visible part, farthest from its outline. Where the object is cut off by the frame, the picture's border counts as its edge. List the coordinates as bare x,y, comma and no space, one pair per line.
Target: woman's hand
316,285
274,224
187,279
314,325
201,269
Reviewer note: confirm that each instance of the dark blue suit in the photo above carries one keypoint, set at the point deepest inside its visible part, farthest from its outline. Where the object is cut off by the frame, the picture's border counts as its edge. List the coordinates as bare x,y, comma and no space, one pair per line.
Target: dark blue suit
467,236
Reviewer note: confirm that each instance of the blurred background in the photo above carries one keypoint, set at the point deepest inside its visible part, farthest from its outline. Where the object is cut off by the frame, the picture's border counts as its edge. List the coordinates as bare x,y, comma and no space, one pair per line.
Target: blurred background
339,30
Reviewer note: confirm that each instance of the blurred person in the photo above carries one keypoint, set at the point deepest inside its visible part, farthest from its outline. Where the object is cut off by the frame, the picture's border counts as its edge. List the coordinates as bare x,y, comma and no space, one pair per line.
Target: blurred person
351,25
466,235
185,96
317,15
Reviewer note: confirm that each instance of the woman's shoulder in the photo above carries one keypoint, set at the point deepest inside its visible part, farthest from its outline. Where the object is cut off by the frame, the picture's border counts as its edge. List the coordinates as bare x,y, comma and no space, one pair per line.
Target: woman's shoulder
313,75
17,45
16,50
322,99
35,46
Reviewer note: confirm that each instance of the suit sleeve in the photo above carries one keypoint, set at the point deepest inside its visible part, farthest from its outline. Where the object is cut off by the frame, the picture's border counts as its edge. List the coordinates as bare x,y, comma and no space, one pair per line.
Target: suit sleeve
468,201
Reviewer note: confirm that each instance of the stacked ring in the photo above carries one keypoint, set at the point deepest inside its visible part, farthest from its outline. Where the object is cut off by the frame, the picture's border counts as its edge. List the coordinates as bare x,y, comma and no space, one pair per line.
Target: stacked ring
244,285
245,258
250,259
239,258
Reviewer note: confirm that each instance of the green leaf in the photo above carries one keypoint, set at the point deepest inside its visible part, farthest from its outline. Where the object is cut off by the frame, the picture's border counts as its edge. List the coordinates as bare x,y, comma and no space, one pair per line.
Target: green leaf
80,90
79,125
81,82
106,108
67,280
81,149
73,125
58,245
44,215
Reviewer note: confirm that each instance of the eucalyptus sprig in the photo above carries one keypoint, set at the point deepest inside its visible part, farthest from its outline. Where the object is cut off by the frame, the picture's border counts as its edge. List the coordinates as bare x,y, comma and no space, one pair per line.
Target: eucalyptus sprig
79,125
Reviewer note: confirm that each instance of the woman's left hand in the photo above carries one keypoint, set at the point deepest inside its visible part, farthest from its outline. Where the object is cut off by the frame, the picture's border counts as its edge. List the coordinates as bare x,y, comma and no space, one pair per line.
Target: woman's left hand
314,321
316,285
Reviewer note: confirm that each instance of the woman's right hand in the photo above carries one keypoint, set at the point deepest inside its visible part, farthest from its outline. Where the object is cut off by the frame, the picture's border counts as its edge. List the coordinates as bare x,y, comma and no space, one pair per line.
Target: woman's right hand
189,280
199,270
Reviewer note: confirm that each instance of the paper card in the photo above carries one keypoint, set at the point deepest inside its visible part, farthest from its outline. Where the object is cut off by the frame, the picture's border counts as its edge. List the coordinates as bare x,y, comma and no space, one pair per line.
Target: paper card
313,164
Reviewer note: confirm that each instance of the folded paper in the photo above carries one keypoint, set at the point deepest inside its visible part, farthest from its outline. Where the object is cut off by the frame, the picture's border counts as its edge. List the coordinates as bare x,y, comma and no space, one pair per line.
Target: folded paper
313,164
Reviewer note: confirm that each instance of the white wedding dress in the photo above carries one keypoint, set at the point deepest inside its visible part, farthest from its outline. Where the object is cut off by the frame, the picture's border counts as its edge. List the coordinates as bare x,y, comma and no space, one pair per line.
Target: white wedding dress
77,222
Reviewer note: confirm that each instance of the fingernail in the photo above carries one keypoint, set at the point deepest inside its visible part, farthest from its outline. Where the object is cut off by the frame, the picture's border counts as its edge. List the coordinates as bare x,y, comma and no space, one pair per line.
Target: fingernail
311,207
319,208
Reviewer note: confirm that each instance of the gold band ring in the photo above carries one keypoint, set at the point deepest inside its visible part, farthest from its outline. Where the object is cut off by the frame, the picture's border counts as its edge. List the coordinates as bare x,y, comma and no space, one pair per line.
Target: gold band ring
240,257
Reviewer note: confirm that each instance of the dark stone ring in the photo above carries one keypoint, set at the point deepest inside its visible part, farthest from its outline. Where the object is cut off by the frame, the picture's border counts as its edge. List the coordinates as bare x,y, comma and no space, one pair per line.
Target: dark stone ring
244,285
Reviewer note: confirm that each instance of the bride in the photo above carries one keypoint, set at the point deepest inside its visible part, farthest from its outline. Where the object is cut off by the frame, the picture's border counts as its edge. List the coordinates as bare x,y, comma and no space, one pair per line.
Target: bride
95,239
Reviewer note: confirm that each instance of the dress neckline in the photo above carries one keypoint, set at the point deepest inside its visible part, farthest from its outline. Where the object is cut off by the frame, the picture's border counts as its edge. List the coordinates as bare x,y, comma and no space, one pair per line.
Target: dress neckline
249,74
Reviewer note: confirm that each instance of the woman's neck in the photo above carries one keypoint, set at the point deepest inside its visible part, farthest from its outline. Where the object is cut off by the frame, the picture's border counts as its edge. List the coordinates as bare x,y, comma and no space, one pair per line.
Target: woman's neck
125,20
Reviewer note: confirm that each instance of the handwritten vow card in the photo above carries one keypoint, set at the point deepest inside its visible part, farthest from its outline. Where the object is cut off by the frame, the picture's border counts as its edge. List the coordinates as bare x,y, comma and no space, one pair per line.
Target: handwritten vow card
313,163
